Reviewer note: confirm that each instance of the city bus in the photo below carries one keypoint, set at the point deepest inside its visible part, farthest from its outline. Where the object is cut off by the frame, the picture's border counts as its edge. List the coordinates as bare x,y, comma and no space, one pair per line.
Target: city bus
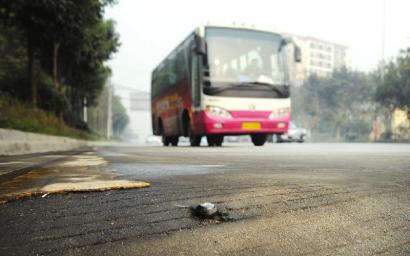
223,80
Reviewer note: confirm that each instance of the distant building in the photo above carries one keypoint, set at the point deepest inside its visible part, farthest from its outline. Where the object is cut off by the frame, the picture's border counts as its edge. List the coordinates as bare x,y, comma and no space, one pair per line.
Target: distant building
140,115
140,101
400,125
319,57
378,129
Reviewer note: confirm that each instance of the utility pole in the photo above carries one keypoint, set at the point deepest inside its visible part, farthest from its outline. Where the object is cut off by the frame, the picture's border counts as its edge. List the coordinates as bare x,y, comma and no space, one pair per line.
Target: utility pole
383,36
387,114
85,110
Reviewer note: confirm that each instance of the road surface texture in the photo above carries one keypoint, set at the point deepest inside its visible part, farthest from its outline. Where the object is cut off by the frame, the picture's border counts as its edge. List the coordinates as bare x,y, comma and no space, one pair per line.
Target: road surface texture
282,199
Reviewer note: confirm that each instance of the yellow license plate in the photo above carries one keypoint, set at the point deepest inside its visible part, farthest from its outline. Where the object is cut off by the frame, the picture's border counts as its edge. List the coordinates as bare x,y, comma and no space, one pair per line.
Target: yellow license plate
251,126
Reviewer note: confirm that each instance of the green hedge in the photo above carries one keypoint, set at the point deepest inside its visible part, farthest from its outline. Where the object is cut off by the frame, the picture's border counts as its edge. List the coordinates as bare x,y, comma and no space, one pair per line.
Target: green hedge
21,116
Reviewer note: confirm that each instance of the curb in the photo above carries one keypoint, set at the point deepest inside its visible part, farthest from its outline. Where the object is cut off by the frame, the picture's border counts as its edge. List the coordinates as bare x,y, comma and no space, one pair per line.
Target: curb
14,142
23,170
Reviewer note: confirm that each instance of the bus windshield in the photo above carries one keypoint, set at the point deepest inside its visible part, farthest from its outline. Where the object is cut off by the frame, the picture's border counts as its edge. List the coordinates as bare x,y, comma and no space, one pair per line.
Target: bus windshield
244,56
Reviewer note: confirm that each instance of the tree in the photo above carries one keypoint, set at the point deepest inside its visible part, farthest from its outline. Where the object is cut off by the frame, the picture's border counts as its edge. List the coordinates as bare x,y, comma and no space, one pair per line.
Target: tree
83,68
13,62
53,53
393,90
337,103
49,27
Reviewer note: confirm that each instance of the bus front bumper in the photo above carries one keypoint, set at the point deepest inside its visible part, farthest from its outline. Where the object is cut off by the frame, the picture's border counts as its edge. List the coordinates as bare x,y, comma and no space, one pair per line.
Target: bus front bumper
237,126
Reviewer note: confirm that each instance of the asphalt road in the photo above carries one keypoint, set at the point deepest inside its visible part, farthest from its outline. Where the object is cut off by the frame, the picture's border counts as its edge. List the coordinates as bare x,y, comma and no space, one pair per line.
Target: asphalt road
282,199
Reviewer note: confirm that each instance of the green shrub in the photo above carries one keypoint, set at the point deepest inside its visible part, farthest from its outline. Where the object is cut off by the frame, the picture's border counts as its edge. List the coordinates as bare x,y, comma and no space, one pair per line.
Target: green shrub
21,116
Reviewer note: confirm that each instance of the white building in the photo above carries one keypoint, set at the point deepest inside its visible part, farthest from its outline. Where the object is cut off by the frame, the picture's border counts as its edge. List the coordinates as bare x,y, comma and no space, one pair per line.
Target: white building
319,57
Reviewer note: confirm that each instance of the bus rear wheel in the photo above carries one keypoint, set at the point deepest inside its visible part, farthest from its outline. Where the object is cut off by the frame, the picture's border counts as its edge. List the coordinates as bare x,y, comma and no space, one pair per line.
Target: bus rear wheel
167,140
259,139
215,140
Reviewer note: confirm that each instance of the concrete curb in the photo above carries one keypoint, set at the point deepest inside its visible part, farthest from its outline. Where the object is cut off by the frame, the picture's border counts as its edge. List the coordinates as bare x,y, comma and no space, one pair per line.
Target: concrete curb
13,142
11,174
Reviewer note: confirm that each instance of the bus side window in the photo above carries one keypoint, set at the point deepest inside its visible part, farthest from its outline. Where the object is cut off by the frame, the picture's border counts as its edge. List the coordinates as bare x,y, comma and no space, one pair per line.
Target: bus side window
195,90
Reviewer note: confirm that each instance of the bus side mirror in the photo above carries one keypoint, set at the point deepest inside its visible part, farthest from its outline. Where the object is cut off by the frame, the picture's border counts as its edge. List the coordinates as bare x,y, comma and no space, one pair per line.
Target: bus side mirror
297,54
200,46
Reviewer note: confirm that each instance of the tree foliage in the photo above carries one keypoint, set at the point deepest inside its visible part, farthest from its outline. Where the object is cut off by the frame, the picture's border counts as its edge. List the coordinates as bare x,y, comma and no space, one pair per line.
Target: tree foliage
393,90
56,51
337,106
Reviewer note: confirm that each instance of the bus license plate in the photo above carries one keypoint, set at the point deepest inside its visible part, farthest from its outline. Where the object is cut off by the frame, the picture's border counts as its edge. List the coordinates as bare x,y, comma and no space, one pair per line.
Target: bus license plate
251,126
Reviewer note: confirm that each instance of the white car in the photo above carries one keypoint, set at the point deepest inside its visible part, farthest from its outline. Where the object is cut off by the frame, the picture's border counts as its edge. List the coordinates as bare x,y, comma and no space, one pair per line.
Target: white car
153,140
294,134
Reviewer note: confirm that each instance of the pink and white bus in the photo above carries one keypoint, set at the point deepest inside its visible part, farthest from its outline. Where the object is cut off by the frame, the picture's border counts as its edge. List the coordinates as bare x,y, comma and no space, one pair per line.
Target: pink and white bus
222,80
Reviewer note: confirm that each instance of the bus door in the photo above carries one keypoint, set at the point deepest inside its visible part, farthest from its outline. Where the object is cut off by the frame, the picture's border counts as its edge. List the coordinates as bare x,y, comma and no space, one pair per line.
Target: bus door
195,93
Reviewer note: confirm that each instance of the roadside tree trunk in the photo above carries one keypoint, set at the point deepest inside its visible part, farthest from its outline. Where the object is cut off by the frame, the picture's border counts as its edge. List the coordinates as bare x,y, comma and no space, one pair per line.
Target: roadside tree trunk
338,132
32,70
56,83
56,47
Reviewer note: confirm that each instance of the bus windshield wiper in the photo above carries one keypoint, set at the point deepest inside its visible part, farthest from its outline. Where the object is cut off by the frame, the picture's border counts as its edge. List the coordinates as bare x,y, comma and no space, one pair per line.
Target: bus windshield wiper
271,86
229,86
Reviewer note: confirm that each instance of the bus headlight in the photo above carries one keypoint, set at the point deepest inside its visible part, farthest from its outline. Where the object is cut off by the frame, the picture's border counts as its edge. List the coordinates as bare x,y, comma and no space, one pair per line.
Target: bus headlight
217,111
280,112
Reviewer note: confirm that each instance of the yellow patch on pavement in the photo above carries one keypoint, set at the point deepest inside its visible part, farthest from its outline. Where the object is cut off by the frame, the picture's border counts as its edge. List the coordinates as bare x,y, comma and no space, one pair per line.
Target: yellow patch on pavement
60,188
79,174
84,160
95,186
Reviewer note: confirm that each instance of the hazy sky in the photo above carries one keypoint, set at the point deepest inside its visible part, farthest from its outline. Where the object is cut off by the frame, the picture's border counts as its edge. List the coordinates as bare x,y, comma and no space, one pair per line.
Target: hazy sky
149,30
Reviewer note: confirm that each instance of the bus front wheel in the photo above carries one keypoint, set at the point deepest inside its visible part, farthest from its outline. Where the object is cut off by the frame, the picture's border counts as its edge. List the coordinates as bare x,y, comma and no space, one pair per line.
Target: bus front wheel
215,140
259,139
174,141
195,140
